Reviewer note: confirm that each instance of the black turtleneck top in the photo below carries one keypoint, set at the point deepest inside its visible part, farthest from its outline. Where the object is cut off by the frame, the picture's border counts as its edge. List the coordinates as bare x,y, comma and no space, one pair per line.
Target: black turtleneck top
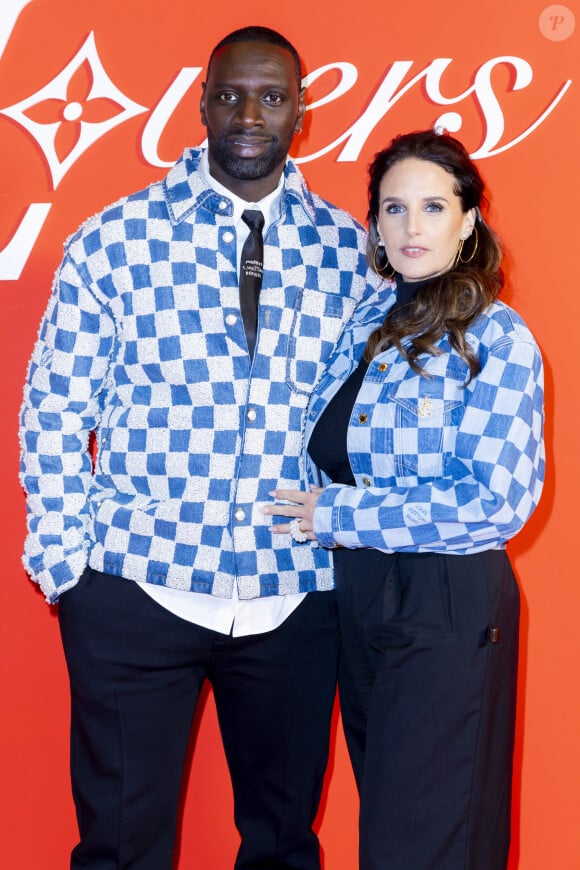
327,447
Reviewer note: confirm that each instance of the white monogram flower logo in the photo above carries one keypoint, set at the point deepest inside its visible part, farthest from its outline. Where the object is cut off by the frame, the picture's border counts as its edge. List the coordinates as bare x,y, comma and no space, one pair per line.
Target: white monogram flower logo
73,111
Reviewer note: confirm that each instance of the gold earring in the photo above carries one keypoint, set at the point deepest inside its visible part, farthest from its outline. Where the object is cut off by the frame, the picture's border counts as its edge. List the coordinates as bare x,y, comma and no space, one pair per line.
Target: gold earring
458,257
381,269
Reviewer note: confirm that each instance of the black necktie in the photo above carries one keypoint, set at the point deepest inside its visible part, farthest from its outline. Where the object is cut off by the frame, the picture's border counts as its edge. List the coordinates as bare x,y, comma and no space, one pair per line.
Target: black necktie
251,267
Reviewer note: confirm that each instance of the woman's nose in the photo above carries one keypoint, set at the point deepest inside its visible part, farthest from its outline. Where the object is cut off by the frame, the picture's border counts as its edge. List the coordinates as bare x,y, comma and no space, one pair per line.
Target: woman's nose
413,223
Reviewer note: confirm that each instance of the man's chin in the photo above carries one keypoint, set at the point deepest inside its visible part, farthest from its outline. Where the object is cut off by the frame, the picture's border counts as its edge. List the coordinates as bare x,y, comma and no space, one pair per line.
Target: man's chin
247,168
250,169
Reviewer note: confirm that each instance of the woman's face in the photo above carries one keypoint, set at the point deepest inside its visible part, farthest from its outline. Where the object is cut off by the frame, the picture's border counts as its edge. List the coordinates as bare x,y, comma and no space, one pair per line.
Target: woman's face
420,219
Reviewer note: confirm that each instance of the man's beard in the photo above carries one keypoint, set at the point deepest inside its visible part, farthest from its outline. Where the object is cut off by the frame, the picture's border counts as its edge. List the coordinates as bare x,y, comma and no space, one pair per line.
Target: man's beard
247,169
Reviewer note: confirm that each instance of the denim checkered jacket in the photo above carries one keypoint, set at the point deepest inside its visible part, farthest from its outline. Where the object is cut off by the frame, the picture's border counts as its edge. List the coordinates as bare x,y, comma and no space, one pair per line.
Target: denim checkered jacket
143,342
439,466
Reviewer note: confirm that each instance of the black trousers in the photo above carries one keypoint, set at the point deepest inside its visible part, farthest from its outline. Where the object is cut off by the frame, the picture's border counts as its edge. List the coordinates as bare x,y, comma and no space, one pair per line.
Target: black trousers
136,672
427,685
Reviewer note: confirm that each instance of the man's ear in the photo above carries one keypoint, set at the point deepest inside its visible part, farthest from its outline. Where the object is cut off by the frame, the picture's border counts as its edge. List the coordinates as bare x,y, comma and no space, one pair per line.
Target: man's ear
202,105
301,111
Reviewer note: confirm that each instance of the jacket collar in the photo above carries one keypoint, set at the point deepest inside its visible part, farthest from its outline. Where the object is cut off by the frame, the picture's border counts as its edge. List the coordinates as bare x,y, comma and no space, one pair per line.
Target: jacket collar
186,190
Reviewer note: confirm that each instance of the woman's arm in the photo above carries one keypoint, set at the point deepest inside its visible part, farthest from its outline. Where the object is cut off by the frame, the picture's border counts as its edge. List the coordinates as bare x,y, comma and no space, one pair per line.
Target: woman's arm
490,485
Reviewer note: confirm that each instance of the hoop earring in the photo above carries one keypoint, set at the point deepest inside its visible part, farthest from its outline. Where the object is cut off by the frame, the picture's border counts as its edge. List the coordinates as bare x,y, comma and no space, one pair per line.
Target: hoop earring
458,257
381,269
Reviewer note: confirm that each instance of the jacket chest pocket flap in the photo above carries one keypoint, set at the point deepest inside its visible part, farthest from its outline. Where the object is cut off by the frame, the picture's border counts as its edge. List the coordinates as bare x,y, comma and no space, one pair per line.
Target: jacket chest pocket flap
427,413
316,326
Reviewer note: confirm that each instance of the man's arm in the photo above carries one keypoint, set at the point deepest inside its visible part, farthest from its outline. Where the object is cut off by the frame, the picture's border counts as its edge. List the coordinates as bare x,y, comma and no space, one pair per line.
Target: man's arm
60,409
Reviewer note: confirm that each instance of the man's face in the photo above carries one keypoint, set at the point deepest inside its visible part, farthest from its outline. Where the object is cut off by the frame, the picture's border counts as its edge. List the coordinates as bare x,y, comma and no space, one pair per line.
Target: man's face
251,107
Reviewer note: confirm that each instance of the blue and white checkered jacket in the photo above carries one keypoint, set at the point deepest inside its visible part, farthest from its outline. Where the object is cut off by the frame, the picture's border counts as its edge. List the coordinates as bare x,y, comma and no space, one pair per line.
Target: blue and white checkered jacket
438,466
143,343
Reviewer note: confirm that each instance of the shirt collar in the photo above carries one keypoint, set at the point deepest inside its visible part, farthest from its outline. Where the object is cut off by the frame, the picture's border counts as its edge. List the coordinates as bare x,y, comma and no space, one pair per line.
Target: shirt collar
186,189
269,205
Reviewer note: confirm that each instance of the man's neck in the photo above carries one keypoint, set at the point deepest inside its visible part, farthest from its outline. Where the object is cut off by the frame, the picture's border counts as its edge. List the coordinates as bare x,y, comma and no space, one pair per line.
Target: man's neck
251,190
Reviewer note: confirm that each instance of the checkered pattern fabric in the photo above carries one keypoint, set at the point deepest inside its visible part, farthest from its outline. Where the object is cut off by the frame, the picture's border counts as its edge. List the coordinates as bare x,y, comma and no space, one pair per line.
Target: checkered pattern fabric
143,343
438,466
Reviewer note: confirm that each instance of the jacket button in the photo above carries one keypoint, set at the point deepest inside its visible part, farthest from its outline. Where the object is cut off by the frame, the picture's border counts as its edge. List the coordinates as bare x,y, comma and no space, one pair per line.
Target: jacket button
240,515
251,415
366,481
382,367
362,418
228,236
231,319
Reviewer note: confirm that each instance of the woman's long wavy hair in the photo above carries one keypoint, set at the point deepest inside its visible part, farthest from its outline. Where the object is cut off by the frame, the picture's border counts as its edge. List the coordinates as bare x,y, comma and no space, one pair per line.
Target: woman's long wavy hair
451,301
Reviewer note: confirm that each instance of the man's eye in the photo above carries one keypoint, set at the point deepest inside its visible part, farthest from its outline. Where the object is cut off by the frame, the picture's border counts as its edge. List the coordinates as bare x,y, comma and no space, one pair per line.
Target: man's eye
274,99
227,97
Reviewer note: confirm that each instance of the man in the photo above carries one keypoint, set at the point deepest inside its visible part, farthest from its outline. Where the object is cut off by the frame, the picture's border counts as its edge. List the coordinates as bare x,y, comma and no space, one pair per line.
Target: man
161,558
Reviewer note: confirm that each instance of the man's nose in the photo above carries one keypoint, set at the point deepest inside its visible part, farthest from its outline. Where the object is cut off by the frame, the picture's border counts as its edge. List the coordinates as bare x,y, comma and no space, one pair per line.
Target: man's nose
250,111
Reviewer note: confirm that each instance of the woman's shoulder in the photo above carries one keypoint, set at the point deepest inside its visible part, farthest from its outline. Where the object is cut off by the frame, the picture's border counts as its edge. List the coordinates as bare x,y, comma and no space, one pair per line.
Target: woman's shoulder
501,323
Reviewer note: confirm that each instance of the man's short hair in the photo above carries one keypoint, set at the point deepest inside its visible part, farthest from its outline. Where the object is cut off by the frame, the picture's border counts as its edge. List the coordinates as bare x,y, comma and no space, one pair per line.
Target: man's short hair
256,33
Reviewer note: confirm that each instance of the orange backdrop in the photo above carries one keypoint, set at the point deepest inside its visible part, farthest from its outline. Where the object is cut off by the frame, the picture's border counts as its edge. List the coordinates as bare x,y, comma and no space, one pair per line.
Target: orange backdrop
95,100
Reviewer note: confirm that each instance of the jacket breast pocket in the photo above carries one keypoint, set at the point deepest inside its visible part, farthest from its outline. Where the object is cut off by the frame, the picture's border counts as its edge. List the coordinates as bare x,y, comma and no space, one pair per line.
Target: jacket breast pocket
424,433
316,327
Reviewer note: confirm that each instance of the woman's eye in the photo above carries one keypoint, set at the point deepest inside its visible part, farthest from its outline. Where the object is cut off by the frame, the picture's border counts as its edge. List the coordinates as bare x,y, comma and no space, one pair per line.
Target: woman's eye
433,207
394,208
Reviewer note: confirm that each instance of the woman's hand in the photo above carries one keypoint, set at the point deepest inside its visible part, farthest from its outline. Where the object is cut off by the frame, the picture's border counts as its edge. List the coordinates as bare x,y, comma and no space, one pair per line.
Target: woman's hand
301,509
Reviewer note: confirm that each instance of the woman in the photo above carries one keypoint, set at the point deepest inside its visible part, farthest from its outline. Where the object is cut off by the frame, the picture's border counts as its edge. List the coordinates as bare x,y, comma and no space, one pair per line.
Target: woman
430,457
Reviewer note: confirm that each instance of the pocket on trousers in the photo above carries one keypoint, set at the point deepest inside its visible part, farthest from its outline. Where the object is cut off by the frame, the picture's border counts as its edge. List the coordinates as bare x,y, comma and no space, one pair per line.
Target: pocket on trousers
77,589
417,604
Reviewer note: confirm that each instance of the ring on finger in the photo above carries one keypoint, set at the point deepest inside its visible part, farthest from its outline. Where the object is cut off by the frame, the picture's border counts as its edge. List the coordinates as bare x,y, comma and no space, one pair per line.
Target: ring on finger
299,536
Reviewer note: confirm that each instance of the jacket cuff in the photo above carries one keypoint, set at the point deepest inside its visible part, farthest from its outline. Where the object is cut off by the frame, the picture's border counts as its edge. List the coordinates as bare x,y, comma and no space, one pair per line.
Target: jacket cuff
329,516
56,571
